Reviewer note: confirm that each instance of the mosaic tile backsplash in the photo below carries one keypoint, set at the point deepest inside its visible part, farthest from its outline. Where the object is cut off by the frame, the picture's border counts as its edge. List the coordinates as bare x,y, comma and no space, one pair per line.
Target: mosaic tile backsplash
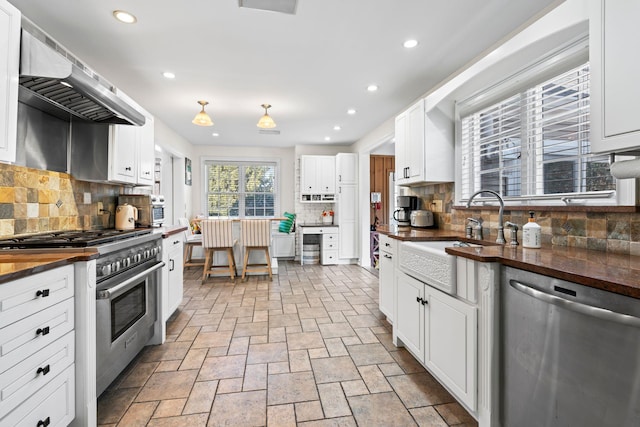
34,201
602,231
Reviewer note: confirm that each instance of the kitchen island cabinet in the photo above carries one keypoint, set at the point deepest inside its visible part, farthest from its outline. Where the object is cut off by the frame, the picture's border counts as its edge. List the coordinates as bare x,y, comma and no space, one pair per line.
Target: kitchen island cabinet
387,277
9,62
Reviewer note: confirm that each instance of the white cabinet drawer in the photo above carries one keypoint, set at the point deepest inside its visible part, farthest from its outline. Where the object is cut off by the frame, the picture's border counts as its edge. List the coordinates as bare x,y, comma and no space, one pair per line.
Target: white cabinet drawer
330,245
387,244
329,238
30,375
23,297
54,402
29,335
329,257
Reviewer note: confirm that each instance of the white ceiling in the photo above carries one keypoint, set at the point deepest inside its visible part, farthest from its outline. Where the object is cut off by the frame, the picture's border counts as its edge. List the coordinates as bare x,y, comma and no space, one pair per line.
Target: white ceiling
311,66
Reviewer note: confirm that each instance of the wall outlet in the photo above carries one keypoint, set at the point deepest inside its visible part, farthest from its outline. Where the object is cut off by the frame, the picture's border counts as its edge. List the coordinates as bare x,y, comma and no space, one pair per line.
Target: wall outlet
100,208
87,199
436,205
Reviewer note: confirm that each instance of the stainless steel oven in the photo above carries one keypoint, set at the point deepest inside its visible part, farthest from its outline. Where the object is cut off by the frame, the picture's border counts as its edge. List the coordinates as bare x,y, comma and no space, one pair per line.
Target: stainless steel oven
126,312
127,298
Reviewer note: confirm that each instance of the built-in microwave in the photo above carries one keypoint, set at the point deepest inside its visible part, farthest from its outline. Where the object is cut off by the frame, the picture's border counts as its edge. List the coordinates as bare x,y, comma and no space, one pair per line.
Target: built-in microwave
150,208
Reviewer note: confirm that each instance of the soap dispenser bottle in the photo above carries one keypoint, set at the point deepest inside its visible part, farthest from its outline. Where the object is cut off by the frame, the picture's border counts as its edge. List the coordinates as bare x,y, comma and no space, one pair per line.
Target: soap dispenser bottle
531,233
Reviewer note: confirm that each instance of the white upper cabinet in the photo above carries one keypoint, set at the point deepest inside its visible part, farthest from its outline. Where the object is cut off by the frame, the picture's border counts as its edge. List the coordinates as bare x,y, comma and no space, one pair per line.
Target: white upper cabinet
146,152
346,168
424,146
9,60
317,178
615,88
132,150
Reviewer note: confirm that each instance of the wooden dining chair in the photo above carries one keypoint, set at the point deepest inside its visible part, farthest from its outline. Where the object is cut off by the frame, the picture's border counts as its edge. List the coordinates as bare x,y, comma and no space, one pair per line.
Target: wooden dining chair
217,236
191,241
256,236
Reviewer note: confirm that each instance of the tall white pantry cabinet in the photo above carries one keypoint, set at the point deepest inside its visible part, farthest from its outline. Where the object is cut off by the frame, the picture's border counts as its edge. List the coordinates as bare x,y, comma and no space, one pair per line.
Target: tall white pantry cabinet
347,204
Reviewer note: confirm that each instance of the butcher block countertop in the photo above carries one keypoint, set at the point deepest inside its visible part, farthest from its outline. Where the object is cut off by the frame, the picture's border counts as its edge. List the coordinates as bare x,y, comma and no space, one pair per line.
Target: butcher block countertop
612,272
18,263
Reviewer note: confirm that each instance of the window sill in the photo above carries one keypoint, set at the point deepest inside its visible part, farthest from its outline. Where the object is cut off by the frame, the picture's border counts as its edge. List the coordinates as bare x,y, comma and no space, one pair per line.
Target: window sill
552,208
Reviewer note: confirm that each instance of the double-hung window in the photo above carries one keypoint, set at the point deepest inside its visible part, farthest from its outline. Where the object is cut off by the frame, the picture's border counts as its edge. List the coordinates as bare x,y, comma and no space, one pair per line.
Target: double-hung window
240,189
535,144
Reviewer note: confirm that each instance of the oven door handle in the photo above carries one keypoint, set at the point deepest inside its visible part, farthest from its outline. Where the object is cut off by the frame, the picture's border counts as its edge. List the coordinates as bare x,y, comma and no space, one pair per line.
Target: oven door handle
108,293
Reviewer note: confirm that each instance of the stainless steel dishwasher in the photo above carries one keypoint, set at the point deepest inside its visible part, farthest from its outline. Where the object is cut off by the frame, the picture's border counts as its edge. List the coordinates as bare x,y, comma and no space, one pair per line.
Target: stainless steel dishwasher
570,354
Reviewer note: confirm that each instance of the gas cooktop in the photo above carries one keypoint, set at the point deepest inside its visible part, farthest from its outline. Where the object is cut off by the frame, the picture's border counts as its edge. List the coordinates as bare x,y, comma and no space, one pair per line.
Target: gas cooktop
70,239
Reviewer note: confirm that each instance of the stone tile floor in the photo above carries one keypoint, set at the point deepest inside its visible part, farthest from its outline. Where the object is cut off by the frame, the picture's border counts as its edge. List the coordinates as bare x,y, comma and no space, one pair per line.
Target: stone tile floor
309,348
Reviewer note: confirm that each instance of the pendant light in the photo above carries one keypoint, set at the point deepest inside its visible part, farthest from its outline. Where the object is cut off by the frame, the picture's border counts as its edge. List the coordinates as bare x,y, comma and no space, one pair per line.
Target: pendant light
202,118
266,122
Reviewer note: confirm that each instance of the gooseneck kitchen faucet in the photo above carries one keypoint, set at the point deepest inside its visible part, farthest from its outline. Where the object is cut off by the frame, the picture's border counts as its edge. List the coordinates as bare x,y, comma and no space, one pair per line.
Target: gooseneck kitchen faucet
500,238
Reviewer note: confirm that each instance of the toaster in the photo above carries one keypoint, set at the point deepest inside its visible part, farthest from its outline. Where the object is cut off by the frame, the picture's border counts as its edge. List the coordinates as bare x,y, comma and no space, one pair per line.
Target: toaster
421,218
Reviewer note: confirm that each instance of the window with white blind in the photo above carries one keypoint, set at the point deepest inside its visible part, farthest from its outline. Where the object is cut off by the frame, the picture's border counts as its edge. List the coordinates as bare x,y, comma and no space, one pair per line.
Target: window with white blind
240,189
535,144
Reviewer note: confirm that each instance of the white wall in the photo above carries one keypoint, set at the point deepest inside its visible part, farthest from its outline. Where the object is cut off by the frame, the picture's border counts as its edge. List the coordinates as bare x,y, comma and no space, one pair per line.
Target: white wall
175,146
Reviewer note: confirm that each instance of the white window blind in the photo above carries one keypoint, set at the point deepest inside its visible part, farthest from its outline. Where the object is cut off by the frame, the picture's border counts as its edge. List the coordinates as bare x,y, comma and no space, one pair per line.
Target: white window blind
240,189
535,143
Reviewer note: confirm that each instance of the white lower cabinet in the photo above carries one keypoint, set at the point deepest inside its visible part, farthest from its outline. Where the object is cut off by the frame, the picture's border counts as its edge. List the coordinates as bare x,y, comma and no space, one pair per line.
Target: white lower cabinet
386,285
409,324
37,349
52,405
441,332
450,344
172,275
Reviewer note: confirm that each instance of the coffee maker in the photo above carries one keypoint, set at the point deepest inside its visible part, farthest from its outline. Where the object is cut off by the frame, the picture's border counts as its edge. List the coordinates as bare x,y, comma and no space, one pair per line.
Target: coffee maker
404,205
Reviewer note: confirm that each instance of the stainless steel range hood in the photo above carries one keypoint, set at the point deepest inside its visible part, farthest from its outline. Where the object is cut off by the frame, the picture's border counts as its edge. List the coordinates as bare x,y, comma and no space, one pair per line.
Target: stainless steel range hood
54,81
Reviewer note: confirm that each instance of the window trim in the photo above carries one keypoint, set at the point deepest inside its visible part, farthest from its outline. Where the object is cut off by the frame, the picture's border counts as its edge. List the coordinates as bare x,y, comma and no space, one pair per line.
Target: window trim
241,160
556,62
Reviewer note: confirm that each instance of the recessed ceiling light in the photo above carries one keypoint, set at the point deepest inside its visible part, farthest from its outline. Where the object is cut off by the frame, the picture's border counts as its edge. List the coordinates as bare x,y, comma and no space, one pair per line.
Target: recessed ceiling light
125,17
372,88
327,138
216,134
169,75
410,43
337,127
351,111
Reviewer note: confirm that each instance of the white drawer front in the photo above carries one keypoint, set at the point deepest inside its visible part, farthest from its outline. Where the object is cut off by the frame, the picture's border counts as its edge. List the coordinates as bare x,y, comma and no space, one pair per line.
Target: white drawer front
387,244
55,402
329,257
331,245
27,377
329,238
23,297
29,335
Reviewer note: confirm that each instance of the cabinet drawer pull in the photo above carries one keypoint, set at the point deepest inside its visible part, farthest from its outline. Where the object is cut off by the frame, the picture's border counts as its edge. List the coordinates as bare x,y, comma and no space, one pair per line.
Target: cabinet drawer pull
44,423
43,293
388,256
128,168
42,331
43,371
422,301
172,265
175,242
387,244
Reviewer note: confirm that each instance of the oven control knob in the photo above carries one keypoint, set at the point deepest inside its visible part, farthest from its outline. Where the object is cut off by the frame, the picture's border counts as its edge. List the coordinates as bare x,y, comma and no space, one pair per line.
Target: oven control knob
137,257
115,266
154,251
147,254
126,262
106,270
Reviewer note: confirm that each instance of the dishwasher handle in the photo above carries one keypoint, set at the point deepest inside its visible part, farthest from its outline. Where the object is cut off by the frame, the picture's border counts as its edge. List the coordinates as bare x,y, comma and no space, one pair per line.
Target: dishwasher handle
589,310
